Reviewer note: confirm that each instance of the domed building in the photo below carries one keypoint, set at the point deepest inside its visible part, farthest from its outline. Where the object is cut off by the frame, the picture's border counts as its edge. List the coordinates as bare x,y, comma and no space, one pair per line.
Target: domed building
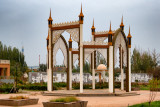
101,69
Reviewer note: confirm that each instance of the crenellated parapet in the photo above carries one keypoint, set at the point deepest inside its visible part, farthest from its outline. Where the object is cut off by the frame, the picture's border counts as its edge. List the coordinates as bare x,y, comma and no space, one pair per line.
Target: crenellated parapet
65,24
103,32
94,43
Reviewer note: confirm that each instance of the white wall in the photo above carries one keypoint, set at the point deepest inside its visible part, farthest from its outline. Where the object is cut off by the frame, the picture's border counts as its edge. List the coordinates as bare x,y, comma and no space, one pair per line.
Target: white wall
37,77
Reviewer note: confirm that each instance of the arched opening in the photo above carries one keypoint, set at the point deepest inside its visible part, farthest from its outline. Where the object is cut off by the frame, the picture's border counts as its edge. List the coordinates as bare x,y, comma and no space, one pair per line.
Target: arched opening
100,59
76,68
59,58
120,59
86,68
117,70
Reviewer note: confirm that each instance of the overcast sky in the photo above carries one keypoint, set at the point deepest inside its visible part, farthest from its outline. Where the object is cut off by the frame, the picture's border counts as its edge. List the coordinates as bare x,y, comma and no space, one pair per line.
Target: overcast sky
24,22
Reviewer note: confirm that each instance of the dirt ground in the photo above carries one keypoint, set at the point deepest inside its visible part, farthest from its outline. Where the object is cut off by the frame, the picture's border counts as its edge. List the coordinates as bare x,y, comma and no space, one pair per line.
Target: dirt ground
92,101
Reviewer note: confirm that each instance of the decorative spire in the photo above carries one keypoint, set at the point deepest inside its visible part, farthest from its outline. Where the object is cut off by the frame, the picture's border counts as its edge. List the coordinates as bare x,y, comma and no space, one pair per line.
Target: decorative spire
50,18
129,31
93,28
70,39
122,25
81,7
122,20
110,31
129,34
81,14
50,13
93,25
93,22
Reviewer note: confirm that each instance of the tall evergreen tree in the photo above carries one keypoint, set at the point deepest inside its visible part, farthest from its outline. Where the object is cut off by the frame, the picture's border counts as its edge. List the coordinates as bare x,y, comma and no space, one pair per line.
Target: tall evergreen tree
17,59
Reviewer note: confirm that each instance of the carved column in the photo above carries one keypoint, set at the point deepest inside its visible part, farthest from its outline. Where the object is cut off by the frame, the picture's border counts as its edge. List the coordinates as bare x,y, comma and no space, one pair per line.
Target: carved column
49,71
121,68
81,58
111,75
93,71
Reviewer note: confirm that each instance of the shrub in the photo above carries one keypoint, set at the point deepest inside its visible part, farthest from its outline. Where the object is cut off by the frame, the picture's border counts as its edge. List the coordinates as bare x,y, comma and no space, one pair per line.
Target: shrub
36,86
6,88
65,99
60,84
89,86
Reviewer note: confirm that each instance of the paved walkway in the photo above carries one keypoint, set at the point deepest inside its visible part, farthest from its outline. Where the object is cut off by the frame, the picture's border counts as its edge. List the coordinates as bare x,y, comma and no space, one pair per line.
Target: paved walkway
92,101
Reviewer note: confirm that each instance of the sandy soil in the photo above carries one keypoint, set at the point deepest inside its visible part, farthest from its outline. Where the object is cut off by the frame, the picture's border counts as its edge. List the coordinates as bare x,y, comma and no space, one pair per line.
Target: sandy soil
92,101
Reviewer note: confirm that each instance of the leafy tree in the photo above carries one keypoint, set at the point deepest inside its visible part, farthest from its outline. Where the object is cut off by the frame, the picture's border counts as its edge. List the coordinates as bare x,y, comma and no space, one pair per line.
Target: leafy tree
145,61
43,67
17,59
86,67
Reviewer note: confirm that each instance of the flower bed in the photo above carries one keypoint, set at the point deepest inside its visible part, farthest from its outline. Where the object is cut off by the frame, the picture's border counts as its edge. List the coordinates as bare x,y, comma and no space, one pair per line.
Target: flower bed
18,101
65,102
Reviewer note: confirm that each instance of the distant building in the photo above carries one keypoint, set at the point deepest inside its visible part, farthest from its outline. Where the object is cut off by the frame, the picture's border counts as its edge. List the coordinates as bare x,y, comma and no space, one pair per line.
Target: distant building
59,69
5,68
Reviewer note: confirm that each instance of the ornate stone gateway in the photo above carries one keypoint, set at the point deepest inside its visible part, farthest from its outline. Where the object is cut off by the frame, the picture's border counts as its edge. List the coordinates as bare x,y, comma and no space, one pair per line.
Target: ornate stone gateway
87,51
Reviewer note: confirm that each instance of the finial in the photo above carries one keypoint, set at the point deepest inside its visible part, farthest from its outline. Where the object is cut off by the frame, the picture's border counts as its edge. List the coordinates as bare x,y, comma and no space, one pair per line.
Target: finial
50,18
93,22
122,19
110,31
129,30
70,39
81,14
110,27
129,34
122,25
50,13
81,7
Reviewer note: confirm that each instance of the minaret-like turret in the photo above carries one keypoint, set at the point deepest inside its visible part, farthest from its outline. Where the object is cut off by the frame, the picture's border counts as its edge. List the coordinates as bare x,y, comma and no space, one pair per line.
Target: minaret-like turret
110,34
93,28
50,20
81,16
70,43
122,25
129,38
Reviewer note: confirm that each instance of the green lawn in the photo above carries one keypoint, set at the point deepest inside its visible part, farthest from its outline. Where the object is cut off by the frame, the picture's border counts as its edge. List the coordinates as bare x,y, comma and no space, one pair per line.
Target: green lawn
142,87
153,104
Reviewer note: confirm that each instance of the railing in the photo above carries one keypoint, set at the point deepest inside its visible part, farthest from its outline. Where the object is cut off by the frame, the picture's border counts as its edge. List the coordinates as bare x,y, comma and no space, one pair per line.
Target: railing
4,61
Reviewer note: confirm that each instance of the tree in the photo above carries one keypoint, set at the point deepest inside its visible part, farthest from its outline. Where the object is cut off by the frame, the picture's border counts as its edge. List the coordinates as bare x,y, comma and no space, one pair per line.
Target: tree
145,61
136,60
156,58
86,67
153,89
15,57
43,67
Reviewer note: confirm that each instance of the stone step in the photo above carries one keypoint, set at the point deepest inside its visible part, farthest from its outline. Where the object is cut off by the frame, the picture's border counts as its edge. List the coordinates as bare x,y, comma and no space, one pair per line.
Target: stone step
90,95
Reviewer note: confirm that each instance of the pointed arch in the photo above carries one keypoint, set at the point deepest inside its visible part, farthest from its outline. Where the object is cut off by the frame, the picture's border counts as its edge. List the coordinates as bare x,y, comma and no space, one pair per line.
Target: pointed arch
119,38
61,44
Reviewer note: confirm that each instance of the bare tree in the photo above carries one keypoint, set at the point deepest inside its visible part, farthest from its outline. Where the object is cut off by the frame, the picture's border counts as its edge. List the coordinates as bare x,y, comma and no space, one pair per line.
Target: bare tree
153,89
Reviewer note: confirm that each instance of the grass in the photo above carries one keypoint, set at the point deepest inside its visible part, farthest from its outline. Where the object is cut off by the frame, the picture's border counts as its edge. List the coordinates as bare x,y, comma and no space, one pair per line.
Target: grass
153,104
18,97
144,87
65,99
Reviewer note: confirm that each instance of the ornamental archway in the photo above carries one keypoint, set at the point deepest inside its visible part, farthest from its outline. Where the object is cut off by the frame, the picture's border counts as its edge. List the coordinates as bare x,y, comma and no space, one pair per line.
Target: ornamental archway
120,45
87,50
